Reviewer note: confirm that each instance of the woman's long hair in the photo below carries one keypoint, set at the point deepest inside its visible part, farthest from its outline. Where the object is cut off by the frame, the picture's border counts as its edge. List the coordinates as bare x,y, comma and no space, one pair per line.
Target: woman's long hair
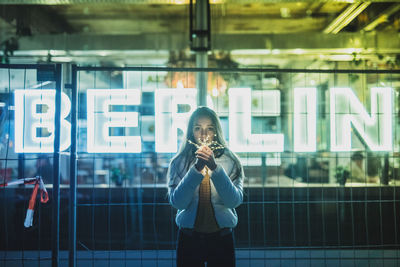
186,151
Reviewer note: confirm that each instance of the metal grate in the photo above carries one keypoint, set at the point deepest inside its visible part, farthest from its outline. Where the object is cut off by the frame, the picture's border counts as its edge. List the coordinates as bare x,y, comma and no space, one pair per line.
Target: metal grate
294,211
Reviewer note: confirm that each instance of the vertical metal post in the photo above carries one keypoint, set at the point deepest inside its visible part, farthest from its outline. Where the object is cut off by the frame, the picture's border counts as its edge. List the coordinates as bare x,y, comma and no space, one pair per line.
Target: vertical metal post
201,78
72,181
56,171
21,165
263,168
385,170
202,12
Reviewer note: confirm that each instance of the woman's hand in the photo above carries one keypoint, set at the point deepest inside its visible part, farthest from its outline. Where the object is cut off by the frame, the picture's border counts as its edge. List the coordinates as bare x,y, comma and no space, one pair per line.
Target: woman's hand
206,156
199,164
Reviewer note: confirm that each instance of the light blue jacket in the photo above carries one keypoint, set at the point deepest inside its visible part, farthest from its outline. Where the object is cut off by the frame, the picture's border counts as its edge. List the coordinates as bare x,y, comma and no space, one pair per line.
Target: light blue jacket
226,194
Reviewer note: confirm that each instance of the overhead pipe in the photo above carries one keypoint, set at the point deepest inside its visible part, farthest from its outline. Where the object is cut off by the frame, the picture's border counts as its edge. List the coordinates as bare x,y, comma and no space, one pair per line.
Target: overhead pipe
346,17
383,17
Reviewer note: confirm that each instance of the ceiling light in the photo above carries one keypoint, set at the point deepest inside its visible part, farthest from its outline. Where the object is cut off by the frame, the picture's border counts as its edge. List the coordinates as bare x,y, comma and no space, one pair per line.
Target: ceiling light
350,18
346,17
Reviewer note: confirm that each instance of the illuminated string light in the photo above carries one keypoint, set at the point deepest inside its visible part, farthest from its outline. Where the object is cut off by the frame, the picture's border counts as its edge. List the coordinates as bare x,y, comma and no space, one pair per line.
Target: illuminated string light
212,144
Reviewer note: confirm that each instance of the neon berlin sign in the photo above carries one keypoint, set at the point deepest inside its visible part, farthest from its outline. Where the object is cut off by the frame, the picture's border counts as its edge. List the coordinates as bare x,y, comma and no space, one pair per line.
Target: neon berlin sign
346,112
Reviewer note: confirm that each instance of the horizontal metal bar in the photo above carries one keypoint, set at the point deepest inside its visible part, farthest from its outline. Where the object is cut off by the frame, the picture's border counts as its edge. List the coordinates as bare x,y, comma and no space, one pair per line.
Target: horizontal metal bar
26,66
263,70
250,202
132,45
309,252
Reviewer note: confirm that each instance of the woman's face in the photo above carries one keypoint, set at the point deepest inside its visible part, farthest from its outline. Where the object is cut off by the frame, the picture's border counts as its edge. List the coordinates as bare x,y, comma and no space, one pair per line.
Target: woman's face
203,128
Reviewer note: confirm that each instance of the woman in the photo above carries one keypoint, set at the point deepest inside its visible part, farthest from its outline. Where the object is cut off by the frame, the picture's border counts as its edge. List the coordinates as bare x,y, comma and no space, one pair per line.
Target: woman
205,185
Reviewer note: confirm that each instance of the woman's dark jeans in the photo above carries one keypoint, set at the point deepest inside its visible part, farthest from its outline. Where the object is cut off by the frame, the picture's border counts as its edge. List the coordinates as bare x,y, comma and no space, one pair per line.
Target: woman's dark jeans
195,249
